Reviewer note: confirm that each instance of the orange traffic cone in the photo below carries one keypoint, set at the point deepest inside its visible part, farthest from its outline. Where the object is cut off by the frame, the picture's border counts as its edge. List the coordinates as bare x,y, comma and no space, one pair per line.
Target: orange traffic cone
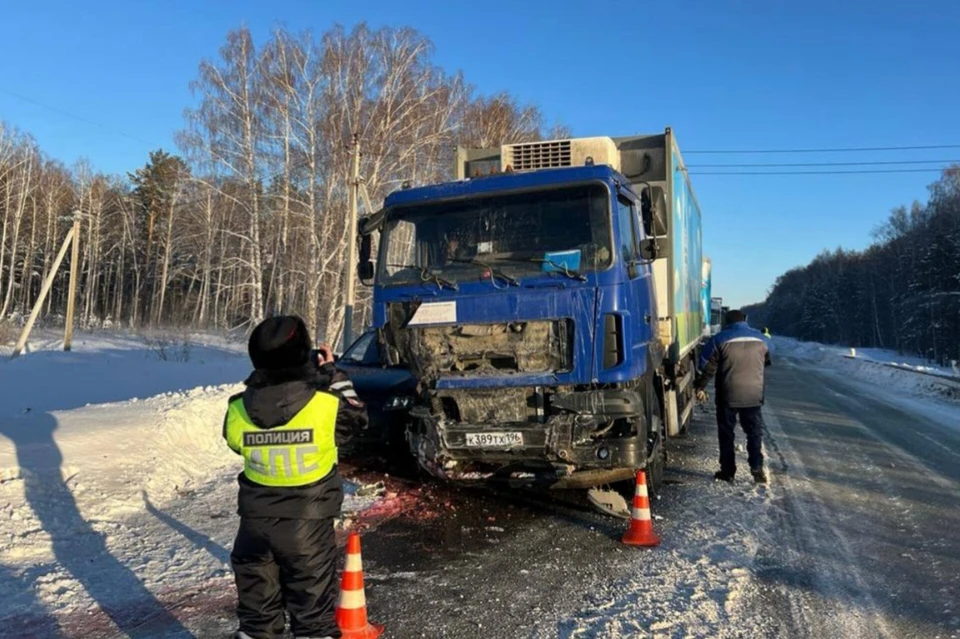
640,532
351,608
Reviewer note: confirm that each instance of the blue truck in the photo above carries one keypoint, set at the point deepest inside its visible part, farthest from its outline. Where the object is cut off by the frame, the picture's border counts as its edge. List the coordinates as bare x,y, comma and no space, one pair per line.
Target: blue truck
550,304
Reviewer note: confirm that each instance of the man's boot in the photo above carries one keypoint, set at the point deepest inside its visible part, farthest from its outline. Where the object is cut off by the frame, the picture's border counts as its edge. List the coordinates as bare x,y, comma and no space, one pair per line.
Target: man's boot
759,476
722,476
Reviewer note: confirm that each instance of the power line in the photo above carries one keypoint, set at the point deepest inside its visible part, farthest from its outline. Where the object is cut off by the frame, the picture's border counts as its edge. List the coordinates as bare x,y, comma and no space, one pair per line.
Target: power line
79,118
300,163
820,164
863,149
931,170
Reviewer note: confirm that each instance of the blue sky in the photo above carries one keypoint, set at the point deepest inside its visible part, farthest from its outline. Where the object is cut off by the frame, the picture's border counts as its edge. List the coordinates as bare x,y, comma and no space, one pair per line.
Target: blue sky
725,74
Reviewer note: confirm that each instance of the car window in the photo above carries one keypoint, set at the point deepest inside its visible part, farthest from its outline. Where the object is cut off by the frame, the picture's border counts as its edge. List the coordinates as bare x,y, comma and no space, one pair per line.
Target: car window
363,351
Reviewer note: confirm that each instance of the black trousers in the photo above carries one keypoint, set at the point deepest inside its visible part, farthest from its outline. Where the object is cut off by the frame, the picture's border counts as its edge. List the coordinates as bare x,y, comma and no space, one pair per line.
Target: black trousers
752,423
285,564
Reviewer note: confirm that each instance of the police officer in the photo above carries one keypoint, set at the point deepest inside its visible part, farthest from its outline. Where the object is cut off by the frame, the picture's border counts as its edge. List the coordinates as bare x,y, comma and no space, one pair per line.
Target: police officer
296,410
737,355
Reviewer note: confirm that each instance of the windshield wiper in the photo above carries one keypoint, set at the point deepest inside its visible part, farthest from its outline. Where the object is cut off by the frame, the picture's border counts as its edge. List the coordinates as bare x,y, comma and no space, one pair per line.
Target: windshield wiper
428,276
494,272
561,268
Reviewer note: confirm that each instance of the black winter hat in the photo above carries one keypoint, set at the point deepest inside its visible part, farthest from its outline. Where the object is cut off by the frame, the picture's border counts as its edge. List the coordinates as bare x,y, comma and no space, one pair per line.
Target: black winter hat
279,342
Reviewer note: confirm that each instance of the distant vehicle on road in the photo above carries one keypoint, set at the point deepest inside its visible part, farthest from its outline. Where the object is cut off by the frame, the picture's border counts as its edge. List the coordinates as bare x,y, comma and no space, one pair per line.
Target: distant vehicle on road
388,391
716,315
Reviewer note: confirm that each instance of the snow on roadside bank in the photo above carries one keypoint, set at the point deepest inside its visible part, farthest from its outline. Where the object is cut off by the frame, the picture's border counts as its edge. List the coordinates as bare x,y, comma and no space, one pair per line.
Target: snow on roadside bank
107,509
876,378
819,352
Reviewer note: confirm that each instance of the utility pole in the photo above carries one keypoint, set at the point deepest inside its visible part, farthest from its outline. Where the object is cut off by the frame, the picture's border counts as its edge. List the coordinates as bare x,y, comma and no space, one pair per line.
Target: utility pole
74,272
351,265
25,334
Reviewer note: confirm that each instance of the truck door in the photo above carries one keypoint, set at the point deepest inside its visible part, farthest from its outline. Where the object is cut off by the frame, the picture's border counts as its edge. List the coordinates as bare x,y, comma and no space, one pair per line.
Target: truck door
637,292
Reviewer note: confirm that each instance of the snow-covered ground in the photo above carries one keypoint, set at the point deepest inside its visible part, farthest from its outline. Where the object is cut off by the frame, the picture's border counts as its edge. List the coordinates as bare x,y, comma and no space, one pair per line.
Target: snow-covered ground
117,510
698,581
930,389
117,494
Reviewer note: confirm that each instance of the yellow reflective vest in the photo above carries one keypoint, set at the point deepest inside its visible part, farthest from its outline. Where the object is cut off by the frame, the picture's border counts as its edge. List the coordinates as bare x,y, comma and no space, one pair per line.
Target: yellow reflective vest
300,452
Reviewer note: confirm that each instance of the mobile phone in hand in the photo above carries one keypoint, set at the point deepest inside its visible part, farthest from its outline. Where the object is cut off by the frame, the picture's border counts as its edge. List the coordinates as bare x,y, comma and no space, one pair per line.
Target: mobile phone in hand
321,355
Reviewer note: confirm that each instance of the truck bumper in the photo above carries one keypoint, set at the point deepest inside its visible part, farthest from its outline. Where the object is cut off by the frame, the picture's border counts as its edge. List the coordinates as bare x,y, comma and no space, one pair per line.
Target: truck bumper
569,436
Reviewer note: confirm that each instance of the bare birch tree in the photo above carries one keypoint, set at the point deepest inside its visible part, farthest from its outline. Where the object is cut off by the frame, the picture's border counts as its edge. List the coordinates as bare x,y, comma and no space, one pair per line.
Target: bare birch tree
253,219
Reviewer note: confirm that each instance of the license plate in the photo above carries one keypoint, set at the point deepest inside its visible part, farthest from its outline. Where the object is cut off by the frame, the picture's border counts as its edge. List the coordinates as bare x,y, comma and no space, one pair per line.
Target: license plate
494,440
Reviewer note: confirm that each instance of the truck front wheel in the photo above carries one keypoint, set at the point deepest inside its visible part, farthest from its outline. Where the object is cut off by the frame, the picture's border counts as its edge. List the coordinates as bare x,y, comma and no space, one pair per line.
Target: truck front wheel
657,458
657,434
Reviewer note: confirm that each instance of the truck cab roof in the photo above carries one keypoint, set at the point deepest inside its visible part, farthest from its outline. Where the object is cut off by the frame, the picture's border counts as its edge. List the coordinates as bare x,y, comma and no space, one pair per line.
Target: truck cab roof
506,182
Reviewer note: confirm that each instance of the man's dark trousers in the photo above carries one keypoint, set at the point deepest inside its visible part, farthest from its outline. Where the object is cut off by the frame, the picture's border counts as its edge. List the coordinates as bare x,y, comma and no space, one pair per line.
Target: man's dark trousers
752,423
286,563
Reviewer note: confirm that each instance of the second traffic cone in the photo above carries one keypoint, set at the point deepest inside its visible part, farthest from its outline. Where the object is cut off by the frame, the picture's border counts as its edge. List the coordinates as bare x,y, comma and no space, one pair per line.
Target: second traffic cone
640,532
351,611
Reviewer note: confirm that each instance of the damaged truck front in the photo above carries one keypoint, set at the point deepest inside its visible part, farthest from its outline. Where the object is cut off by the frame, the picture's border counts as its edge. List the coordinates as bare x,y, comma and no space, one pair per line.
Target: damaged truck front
541,304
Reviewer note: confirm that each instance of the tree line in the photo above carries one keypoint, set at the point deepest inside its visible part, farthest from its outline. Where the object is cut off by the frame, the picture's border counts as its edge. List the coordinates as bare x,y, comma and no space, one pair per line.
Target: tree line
901,293
249,217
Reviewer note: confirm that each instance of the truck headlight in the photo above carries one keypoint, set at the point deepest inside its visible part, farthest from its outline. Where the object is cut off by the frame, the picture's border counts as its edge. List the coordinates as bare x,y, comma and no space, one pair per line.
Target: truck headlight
398,402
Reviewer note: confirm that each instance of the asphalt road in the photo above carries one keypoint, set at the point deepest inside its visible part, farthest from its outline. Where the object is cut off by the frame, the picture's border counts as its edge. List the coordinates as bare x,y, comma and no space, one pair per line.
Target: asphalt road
867,538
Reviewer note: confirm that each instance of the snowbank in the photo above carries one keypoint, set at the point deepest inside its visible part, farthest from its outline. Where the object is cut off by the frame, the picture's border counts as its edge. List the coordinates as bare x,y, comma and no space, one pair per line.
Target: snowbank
881,370
910,385
103,369
117,494
821,352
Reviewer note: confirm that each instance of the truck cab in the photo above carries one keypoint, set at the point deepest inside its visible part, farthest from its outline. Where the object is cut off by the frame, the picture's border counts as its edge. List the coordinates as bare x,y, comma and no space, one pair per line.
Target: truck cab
525,302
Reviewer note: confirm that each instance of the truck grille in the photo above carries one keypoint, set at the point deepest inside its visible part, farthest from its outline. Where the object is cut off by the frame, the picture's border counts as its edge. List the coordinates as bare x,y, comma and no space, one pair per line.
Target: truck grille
539,155
478,350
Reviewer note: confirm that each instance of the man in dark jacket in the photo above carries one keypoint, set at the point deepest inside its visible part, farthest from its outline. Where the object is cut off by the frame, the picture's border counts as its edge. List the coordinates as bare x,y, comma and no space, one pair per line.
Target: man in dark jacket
288,423
737,355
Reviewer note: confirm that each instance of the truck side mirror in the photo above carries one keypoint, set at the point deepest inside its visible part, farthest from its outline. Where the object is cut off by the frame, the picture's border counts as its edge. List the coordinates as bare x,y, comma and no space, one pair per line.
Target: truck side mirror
650,249
365,272
366,248
365,264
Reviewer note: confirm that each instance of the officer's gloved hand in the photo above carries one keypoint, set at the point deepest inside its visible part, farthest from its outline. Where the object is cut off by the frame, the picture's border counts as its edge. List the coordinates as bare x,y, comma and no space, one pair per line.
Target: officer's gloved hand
701,396
322,355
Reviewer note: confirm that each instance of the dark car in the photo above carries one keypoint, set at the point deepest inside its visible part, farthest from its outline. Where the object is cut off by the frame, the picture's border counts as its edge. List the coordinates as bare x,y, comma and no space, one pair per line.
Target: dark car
388,391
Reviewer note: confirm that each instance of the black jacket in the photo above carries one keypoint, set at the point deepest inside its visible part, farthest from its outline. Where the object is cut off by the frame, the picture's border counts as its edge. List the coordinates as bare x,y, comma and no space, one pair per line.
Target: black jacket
273,398
737,355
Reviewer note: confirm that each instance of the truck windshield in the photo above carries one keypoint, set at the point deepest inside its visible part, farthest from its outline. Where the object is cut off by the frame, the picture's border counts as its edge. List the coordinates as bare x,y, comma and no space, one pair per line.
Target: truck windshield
518,234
